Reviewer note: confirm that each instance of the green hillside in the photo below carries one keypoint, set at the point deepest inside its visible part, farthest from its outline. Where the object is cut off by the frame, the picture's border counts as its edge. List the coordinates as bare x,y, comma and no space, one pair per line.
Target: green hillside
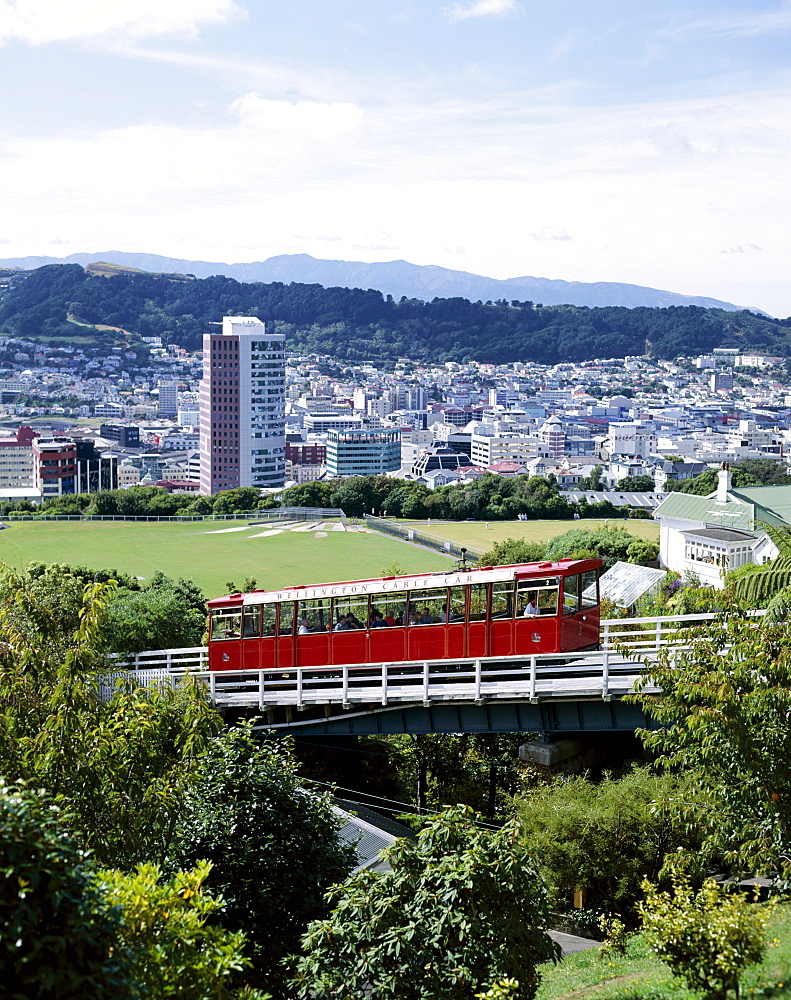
355,324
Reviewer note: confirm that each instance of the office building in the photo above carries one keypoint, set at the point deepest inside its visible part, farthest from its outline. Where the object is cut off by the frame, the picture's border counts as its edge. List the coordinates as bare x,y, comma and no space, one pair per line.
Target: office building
167,399
242,407
127,435
363,453
16,459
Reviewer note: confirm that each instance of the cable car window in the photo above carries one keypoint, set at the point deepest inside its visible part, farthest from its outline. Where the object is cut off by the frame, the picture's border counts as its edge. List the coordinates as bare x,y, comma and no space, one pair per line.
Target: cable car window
251,622
426,607
503,600
226,624
571,594
313,616
537,597
268,619
286,618
349,613
478,602
590,589
456,606
392,608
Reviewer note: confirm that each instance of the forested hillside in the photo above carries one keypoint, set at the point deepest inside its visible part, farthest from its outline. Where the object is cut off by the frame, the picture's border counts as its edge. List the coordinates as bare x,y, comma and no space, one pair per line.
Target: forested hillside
353,324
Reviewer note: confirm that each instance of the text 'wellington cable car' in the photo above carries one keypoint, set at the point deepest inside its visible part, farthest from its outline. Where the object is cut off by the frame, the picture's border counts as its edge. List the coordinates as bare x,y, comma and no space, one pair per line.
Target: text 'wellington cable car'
545,607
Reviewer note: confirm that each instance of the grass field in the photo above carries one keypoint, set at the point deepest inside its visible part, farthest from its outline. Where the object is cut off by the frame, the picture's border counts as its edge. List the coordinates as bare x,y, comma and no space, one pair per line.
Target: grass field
638,975
212,553
478,536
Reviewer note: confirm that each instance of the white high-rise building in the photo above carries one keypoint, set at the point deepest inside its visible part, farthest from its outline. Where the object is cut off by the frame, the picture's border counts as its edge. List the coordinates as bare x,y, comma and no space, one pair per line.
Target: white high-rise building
242,407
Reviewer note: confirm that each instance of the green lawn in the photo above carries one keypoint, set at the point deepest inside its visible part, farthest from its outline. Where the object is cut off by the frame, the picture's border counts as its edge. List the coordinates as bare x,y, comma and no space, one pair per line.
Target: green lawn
478,536
638,975
211,555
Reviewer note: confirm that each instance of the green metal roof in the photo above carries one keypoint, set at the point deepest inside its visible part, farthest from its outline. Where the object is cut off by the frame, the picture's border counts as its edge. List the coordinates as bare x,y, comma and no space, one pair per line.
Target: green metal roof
749,507
739,514
772,504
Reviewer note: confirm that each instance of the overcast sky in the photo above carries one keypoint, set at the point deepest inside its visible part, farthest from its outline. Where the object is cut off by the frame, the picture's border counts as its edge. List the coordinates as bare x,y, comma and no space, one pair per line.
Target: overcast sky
590,140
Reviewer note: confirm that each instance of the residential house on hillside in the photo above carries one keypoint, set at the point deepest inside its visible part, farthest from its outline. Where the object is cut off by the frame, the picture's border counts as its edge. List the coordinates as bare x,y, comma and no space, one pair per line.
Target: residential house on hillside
708,536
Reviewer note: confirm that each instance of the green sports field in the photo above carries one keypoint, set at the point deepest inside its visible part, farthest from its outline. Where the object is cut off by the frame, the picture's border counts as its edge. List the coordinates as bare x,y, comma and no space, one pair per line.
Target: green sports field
477,535
212,553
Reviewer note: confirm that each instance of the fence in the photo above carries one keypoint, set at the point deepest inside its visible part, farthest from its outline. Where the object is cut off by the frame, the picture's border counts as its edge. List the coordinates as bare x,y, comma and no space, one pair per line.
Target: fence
423,538
273,514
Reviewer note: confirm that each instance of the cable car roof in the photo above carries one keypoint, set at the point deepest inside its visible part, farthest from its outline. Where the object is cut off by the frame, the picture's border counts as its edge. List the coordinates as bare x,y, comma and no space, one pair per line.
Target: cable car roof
396,584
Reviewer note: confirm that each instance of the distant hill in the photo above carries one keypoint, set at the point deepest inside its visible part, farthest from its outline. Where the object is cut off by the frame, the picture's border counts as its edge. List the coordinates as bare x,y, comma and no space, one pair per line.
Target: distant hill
58,301
396,278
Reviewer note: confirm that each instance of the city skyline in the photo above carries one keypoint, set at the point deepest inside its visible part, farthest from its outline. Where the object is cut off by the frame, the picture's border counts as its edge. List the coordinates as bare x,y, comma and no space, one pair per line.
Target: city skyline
597,141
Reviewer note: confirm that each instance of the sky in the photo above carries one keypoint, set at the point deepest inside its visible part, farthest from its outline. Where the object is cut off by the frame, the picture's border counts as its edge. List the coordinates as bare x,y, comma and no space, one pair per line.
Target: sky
588,140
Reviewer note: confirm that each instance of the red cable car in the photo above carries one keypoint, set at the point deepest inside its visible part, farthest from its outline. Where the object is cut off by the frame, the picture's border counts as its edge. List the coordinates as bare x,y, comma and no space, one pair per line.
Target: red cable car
546,607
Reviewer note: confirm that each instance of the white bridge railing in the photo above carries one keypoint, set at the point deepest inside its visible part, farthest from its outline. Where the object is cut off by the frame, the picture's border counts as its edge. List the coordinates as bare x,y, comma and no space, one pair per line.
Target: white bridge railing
606,673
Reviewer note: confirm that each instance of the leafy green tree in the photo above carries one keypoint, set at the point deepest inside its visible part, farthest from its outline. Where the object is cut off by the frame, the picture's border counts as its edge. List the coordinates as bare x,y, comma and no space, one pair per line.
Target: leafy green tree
635,484
239,501
767,471
592,481
317,493
118,764
164,615
724,712
610,544
511,551
707,937
59,937
605,837
174,946
706,482
460,910
273,847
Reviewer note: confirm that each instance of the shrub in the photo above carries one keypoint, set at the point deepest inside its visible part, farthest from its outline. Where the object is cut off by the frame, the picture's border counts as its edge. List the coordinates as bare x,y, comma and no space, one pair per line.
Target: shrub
706,936
604,837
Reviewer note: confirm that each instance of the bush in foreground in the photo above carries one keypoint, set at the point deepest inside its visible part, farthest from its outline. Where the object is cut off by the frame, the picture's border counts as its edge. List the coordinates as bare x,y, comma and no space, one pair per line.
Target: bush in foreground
460,912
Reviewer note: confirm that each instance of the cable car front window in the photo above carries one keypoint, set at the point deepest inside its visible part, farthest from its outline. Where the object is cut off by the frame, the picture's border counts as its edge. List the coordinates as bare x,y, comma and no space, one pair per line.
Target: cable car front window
571,594
590,588
537,597
226,623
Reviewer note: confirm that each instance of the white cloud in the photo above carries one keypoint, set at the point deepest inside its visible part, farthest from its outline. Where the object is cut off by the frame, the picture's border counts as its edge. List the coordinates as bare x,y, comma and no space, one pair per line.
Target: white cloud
737,25
551,233
42,21
481,8
305,121
746,248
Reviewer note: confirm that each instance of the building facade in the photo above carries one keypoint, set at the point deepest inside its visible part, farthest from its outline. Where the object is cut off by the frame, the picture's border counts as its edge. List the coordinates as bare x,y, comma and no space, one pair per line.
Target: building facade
363,453
242,407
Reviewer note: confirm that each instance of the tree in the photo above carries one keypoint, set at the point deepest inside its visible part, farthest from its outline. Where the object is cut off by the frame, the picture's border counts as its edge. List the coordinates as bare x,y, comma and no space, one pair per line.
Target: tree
512,551
59,937
460,910
635,484
610,544
273,846
120,763
724,712
165,615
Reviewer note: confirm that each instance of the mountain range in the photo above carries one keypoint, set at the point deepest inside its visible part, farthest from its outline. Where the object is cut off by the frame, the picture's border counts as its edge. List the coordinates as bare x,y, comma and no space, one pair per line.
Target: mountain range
397,278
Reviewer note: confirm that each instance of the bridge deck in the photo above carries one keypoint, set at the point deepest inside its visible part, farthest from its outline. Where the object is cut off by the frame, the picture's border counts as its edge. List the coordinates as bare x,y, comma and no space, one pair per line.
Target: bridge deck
308,697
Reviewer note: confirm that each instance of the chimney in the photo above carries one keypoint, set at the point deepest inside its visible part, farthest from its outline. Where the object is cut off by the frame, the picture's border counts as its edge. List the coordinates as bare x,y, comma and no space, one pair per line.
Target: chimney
723,483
